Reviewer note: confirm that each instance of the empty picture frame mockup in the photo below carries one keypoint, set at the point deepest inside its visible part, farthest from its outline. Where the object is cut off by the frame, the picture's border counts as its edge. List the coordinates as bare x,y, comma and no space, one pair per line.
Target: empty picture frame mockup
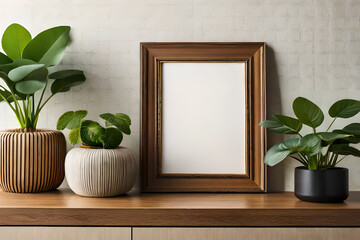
201,104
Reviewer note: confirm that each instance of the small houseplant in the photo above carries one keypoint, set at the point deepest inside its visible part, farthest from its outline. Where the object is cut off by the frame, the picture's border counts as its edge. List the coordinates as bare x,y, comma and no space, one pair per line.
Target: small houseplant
34,156
99,167
318,180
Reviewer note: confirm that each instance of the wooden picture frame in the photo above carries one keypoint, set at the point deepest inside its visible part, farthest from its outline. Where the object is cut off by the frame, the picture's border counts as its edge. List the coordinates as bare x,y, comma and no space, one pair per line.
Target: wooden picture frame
154,56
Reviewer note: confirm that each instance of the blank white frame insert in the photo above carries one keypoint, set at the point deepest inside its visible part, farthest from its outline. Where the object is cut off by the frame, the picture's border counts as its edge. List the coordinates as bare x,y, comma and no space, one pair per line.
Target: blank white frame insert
203,118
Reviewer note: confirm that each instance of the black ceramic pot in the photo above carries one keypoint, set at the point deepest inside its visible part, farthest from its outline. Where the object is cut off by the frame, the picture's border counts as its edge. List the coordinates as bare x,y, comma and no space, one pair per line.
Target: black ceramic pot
330,185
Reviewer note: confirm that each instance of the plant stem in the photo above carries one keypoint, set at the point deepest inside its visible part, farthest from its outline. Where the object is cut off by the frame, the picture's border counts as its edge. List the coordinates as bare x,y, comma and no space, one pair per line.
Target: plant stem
331,124
299,160
314,130
340,160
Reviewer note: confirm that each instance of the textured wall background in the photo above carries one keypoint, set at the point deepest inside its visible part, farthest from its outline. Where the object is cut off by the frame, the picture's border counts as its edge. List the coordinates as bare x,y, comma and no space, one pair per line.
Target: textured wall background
313,51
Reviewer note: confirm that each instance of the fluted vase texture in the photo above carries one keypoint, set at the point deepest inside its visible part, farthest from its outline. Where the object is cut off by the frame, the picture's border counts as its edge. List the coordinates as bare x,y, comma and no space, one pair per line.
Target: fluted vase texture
31,161
96,172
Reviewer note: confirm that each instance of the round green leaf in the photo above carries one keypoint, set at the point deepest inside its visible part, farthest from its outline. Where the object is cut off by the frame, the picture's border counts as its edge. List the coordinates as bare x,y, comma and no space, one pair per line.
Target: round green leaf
48,47
90,133
112,138
279,152
64,120
282,124
120,123
71,120
307,112
14,40
345,108
21,72
65,84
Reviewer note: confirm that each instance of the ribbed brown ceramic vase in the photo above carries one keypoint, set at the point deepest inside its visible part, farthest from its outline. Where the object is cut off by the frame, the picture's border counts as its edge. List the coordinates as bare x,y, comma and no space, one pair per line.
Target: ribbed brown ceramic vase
31,161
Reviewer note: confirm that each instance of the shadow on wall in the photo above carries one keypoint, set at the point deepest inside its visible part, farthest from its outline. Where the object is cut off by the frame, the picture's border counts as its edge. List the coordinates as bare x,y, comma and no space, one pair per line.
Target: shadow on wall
276,174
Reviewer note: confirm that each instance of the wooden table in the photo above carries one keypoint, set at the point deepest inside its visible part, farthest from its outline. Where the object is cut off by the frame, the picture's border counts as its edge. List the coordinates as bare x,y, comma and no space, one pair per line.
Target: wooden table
63,208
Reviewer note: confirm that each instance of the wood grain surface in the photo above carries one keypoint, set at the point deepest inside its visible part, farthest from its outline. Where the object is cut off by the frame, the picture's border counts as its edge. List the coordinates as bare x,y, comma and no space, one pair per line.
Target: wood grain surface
273,209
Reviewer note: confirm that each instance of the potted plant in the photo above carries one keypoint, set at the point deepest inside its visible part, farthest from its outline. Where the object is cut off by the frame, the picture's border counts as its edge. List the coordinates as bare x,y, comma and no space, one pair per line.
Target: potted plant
32,160
99,167
318,180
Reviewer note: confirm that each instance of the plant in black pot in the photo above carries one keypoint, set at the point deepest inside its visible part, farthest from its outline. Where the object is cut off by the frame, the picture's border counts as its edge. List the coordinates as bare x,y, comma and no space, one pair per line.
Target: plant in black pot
318,180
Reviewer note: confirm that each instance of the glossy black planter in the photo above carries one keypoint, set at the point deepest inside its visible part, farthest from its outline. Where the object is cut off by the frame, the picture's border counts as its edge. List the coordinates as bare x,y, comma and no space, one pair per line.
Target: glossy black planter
330,185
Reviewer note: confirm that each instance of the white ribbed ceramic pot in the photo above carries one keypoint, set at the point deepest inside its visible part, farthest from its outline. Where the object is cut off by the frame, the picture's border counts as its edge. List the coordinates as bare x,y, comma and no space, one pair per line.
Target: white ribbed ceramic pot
95,172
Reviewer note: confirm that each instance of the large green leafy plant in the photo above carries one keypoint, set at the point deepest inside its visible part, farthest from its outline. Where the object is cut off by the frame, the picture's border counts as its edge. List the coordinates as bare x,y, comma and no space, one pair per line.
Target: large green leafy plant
91,133
24,70
317,150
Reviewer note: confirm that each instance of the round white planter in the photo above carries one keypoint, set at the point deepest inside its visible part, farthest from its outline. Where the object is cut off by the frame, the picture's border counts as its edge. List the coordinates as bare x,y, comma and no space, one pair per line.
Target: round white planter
94,172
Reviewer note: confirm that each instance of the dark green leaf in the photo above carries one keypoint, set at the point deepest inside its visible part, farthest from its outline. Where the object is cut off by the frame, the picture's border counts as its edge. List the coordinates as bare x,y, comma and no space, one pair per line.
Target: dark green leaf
65,84
74,136
307,112
19,73
112,138
4,59
346,140
330,137
118,122
345,108
14,40
353,128
65,74
91,132
282,124
7,95
48,47
344,149
279,152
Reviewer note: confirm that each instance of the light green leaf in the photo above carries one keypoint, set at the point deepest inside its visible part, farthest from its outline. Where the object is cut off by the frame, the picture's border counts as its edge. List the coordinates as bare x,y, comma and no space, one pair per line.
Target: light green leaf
282,124
33,82
4,59
74,136
119,122
14,40
71,120
64,120
65,84
345,108
90,133
112,138
29,86
48,47
21,72
307,112
279,152
310,145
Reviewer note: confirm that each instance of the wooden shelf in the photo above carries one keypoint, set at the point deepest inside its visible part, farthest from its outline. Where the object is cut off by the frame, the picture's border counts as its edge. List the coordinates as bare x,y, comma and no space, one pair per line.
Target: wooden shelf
272,209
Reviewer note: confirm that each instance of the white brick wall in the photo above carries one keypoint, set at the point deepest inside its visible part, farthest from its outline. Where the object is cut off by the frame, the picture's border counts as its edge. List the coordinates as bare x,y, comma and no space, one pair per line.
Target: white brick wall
313,51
